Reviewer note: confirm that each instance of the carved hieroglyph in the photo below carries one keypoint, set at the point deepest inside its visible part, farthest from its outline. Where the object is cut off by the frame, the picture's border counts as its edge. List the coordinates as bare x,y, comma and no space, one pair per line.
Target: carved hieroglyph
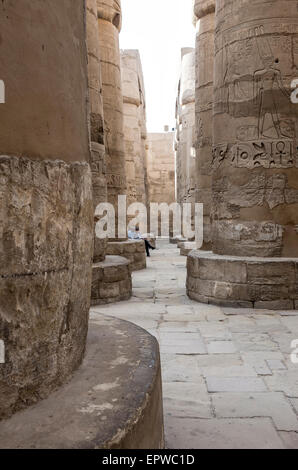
255,164
134,124
109,21
204,11
98,166
46,210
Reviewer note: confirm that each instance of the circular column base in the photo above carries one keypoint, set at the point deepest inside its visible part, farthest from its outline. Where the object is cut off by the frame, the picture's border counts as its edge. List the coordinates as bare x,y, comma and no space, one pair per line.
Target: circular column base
248,282
187,247
113,401
177,240
111,281
132,250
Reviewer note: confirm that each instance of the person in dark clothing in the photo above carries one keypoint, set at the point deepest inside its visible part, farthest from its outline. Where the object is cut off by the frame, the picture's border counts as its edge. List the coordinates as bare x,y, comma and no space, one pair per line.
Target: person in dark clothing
136,235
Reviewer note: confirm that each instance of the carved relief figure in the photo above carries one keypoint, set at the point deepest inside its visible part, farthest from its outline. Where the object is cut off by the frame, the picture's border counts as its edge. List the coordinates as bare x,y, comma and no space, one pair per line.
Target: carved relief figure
266,81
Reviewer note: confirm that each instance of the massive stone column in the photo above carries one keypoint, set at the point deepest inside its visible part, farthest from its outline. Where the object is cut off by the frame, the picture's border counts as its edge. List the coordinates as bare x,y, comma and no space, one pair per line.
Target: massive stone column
186,171
133,97
46,220
109,22
98,165
144,136
106,286
255,172
185,133
204,11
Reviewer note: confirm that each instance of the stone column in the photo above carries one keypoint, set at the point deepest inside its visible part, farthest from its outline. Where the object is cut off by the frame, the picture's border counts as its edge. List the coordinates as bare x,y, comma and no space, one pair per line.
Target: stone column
133,124
204,11
106,286
186,124
46,212
255,170
185,132
98,166
144,135
109,22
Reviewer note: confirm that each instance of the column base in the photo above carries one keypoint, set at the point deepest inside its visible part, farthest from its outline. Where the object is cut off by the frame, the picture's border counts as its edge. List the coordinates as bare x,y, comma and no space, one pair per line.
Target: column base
111,281
132,250
176,240
187,247
114,400
245,282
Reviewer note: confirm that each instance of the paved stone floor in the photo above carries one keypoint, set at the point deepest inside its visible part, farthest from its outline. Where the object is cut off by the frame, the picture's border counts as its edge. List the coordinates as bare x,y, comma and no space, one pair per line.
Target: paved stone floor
228,380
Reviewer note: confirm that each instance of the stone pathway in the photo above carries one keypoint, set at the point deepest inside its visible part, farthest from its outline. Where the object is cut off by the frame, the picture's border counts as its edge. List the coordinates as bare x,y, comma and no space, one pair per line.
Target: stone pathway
228,380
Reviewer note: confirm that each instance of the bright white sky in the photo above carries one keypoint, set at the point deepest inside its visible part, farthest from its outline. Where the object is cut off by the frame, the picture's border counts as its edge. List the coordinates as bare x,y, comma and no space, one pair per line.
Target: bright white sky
159,29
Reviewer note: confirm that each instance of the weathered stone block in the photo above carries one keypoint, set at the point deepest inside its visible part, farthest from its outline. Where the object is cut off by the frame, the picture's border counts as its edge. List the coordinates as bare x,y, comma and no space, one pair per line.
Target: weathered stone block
268,292
275,304
125,286
230,291
109,290
270,273
115,249
263,287
114,274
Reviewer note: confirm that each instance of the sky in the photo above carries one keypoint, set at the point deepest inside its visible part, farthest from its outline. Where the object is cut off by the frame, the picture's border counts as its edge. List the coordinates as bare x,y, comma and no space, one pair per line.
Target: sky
159,29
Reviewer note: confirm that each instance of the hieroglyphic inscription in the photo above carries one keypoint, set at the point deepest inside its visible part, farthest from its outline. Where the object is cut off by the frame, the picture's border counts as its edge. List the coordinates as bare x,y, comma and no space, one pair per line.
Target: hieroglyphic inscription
258,153
116,181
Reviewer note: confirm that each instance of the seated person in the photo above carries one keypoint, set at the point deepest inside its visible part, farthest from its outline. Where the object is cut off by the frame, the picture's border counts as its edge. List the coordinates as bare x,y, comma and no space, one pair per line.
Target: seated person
135,235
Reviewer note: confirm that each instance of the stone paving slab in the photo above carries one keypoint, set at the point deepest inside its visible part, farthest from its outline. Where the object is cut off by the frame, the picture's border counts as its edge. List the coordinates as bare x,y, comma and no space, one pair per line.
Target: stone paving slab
181,343
284,381
180,368
228,371
243,356
237,384
221,347
184,399
250,405
256,433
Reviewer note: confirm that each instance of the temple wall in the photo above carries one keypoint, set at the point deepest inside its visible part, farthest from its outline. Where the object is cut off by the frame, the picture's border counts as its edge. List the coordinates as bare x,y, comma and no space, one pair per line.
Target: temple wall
161,168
